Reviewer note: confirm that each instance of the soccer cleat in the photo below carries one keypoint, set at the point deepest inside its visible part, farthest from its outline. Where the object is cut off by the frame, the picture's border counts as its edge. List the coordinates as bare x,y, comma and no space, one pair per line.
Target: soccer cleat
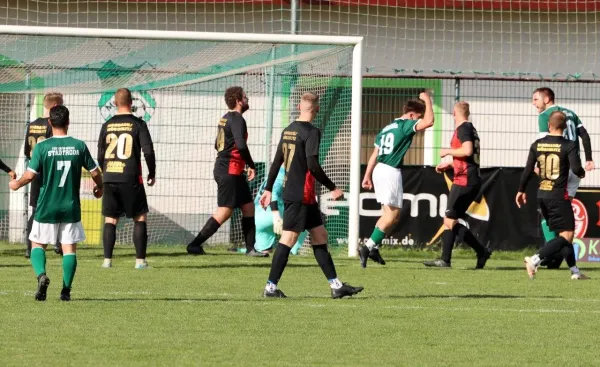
530,267
376,256
346,290
363,253
107,263
58,249
43,283
142,265
481,260
65,294
27,253
254,253
193,249
277,293
438,263
579,276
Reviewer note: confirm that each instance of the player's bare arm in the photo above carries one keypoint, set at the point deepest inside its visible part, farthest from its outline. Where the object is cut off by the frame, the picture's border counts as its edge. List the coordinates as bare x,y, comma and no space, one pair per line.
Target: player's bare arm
97,177
466,150
27,177
427,120
367,182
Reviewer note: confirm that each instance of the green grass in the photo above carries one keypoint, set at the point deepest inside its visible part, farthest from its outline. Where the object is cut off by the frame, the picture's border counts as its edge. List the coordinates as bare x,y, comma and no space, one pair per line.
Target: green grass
209,311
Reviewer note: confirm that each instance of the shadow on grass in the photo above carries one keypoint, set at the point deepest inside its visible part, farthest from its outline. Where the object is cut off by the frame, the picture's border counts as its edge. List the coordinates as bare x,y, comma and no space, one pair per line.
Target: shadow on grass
15,265
265,265
465,296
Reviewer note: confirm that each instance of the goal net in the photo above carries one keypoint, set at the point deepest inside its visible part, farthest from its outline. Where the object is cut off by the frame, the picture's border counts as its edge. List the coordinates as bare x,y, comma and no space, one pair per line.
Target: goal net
178,80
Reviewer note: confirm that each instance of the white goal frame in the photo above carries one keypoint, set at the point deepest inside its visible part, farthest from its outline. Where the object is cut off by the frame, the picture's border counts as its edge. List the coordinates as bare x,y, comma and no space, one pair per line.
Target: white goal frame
357,58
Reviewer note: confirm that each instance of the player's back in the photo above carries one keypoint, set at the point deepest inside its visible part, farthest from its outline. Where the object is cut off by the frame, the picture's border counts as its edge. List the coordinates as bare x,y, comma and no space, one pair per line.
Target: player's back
552,155
466,169
298,141
229,160
394,140
62,159
122,138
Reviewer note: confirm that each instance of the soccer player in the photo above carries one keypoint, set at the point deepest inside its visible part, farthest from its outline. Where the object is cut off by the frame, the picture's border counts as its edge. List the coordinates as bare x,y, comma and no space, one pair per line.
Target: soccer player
37,131
58,214
384,170
298,151
555,157
8,170
465,188
543,100
269,221
232,187
122,139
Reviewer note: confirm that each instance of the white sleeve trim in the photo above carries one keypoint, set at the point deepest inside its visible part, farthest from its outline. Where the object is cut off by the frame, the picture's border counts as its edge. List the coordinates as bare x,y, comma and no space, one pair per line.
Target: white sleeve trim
93,169
415,125
31,170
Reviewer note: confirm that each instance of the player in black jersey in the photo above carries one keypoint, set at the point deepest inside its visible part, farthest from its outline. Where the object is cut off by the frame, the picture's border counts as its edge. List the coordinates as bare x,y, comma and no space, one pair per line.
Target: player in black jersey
554,156
8,170
298,151
232,187
39,130
122,139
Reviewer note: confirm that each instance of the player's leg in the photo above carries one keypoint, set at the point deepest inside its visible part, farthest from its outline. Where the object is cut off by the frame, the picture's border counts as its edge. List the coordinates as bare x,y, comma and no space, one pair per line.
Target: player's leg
299,242
246,204
69,234
448,235
136,207
463,233
112,209
29,224
41,234
388,220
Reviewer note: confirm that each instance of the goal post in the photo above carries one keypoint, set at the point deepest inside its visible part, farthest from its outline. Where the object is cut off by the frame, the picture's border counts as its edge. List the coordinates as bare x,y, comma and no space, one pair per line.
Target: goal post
178,80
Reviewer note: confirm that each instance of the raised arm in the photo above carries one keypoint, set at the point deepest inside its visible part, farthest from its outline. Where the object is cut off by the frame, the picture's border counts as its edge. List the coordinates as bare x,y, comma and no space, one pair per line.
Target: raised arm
428,118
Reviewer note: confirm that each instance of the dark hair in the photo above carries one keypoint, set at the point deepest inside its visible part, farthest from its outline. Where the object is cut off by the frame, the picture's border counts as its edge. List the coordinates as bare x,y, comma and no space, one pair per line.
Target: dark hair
415,105
59,116
232,95
546,92
558,120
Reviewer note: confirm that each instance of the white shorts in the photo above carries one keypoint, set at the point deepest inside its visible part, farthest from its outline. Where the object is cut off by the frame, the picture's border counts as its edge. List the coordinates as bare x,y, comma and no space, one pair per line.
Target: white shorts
387,182
49,233
572,184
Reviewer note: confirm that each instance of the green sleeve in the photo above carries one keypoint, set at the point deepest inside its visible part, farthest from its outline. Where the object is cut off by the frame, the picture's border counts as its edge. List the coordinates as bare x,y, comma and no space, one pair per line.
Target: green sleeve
409,127
35,163
88,162
543,123
578,122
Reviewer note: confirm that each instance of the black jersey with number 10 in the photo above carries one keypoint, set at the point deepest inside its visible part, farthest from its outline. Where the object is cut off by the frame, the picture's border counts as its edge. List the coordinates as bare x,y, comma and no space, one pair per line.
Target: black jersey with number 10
119,148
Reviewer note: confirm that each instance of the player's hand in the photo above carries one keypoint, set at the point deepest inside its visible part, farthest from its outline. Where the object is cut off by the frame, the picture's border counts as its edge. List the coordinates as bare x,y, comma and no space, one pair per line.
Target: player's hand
536,170
98,192
151,181
424,96
444,152
14,185
521,198
278,225
265,199
13,174
337,194
251,174
589,166
367,183
441,167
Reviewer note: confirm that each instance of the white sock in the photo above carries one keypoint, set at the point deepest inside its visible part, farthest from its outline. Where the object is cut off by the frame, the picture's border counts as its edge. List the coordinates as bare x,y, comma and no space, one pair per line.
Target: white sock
370,244
535,259
574,270
270,287
335,283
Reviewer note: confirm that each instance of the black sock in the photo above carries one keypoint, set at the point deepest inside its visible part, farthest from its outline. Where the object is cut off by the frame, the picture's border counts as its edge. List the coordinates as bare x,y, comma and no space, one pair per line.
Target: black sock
552,247
448,238
280,259
325,261
249,229
210,228
108,239
29,225
569,254
463,234
140,239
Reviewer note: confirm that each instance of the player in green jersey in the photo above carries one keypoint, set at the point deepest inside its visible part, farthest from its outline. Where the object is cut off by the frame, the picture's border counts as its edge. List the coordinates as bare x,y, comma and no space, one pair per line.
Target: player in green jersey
543,100
384,170
58,216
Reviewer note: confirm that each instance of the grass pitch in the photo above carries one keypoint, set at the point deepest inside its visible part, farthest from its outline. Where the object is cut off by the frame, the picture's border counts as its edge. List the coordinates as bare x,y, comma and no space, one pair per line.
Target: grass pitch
209,311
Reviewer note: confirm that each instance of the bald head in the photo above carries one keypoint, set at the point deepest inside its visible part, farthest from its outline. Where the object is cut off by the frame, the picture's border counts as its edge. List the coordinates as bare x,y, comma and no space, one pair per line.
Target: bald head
309,103
123,98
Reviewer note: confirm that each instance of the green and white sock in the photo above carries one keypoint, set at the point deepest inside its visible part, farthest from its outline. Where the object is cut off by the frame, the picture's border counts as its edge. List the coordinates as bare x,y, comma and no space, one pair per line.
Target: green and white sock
38,260
376,238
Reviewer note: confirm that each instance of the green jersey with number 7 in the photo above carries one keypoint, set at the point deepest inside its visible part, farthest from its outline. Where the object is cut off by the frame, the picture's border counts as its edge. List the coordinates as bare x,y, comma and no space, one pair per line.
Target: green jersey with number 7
394,140
61,159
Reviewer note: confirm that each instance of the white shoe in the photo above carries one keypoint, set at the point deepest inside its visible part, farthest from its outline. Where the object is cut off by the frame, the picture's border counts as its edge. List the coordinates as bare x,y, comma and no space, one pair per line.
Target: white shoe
579,276
143,265
531,269
107,263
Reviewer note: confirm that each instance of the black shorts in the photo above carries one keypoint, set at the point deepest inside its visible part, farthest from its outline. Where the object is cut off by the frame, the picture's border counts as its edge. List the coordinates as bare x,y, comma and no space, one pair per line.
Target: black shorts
459,200
297,216
124,199
558,213
232,191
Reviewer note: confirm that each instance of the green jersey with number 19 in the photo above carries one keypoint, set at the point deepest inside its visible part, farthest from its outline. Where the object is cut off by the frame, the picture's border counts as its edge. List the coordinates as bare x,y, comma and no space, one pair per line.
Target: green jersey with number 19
394,140
61,159
573,123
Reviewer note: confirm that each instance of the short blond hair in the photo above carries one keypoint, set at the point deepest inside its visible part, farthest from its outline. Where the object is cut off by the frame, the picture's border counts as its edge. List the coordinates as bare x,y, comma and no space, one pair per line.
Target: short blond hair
52,99
309,101
463,108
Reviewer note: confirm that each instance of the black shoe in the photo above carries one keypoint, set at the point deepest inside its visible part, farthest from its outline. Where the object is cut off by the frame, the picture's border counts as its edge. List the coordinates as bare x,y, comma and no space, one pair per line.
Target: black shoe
553,262
193,249
376,256
481,260
43,283
345,290
277,293
363,252
27,253
58,249
65,294
255,253
439,263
